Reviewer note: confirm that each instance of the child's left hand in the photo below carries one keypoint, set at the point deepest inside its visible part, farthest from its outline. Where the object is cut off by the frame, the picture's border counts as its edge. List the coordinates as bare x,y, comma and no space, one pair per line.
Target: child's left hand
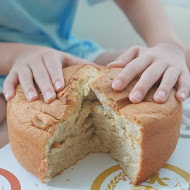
165,60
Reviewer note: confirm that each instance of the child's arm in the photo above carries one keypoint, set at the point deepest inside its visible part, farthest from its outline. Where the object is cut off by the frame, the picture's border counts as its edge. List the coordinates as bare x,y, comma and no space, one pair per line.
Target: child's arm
26,63
165,56
150,21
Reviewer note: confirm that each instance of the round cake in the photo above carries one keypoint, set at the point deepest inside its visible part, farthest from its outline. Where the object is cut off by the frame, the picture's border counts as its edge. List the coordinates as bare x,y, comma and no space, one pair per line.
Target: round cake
89,116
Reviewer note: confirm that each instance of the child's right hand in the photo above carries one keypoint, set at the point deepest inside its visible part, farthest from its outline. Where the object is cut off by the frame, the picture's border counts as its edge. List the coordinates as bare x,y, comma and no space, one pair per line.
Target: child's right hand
42,64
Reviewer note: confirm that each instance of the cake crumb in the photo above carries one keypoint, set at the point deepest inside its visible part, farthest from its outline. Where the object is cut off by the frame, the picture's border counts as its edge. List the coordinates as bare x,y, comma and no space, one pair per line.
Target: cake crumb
68,180
72,169
36,184
56,145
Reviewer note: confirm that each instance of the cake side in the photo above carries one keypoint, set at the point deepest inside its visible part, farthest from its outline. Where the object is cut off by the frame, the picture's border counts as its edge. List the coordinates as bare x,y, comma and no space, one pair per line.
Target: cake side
32,125
74,137
160,128
120,137
126,135
28,135
158,125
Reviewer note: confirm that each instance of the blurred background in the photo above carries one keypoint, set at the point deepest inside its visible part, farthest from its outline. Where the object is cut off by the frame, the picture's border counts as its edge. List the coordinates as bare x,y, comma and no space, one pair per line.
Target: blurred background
106,24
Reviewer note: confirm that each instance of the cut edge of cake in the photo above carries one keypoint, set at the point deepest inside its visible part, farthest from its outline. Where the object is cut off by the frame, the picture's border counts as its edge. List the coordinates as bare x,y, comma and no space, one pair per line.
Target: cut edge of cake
74,131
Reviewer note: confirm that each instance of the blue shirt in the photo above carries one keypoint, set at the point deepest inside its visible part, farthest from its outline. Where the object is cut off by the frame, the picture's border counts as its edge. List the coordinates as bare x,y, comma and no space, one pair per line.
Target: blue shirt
43,22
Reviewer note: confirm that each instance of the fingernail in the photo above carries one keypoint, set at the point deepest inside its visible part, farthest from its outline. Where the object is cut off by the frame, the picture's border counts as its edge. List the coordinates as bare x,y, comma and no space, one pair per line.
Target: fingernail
48,95
161,94
7,96
117,84
183,95
137,95
31,95
58,85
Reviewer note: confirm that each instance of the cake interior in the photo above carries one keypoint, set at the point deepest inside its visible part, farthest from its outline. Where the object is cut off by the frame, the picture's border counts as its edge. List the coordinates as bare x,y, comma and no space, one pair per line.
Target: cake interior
93,127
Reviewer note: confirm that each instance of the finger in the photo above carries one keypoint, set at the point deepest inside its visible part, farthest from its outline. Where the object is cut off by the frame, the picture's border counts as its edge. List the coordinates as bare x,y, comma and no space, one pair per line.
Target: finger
149,77
26,80
54,68
42,79
69,60
9,85
169,80
125,58
183,86
130,71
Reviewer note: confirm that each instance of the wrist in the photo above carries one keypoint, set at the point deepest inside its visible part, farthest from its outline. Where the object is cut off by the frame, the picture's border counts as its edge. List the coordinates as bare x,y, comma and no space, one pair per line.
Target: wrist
167,41
172,44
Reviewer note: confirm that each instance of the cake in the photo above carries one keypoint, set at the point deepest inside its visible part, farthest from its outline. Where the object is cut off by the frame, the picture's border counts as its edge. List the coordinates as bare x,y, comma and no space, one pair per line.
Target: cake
88,116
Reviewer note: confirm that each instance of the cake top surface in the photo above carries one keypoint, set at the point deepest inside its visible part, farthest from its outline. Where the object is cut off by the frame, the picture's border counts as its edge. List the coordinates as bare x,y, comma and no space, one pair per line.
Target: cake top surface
45,116
120,100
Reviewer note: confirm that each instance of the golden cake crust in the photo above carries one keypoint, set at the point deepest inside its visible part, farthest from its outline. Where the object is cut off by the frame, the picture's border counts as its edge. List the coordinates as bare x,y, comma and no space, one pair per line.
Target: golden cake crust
32,124
160,123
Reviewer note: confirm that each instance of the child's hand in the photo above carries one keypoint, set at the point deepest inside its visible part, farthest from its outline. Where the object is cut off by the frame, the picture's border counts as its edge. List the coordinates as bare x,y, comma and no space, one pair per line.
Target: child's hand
166,61
42,64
